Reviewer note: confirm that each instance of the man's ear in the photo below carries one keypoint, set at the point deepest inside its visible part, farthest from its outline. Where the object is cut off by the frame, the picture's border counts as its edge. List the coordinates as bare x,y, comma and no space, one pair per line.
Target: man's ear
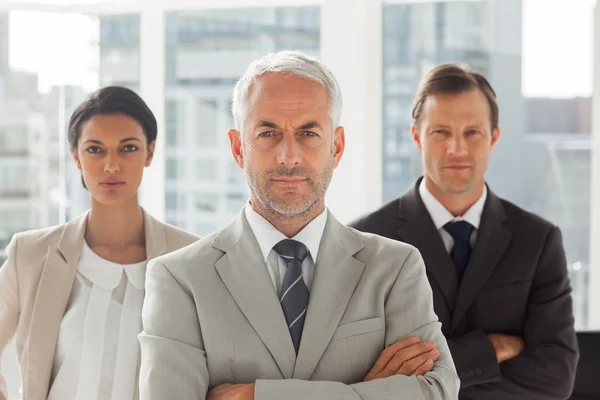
416,137
339,145
495,137
237,150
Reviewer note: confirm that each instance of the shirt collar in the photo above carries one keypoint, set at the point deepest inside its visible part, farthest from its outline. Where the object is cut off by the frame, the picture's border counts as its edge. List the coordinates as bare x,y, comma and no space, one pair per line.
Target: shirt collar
107,274
268,236
441,216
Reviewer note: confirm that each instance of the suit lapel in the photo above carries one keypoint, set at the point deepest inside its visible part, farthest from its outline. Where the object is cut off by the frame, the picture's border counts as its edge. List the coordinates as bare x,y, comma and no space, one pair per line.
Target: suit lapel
337,274
54,290
493,238
417,228
245,275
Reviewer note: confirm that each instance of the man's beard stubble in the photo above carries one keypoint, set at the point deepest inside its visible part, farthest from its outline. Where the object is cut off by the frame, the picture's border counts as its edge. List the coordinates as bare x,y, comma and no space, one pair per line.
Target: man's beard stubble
260,186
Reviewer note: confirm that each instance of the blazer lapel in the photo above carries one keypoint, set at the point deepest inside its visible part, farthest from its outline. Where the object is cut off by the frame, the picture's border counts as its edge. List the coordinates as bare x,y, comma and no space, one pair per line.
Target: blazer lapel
337,274
245,275
493,238
51,300
417,228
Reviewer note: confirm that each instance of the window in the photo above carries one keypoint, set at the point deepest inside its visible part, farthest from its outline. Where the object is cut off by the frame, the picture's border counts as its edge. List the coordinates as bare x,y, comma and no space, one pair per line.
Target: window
206,203
206,120
171,201
13,137
206,170
171,169
171,123
205,229
236,201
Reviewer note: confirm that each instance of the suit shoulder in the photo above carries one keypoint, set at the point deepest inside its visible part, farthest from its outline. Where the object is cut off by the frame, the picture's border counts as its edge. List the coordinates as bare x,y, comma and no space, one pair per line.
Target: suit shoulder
178,238
377,221
374,243
199,251
526,220
28,249
39,238
384,256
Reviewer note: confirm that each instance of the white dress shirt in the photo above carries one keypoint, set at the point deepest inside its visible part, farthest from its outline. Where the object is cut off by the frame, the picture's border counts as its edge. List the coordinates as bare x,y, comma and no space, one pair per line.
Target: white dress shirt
97,353
268,236
441,216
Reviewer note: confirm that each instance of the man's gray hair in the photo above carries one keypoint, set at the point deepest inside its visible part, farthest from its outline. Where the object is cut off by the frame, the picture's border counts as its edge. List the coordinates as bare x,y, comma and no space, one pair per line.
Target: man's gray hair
293,63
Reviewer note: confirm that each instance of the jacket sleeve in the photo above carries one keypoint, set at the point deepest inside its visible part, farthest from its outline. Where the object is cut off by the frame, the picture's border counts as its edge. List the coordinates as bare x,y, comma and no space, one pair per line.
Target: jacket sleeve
9,304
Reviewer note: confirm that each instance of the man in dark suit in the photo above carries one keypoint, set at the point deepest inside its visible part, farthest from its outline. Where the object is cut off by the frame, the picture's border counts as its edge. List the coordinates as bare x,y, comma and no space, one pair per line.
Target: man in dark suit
498,272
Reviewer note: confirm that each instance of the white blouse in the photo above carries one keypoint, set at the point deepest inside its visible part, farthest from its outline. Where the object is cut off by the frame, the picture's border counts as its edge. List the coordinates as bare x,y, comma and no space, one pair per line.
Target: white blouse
97,354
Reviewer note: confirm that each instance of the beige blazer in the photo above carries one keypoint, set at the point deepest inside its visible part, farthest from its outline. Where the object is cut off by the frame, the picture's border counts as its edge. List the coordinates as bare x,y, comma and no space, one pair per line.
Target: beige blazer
211,316
35,285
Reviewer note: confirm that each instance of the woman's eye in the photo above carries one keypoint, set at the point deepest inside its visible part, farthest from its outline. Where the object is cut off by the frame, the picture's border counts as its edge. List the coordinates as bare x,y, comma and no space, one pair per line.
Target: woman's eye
130,147
93,149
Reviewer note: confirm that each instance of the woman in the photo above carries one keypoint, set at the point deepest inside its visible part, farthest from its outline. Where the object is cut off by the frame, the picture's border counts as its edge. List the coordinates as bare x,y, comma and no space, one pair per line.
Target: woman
73,293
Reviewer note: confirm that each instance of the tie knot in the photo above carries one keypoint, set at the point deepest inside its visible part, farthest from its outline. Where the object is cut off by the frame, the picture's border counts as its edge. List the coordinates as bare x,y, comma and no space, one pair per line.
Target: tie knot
291,250
460,230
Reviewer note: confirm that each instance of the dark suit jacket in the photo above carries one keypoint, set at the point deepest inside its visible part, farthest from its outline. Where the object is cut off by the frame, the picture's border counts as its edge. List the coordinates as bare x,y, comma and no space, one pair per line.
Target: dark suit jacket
516,283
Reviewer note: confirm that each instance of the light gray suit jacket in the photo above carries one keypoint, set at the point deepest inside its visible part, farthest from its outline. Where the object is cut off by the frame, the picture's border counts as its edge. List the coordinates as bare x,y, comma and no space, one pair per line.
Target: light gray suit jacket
211,316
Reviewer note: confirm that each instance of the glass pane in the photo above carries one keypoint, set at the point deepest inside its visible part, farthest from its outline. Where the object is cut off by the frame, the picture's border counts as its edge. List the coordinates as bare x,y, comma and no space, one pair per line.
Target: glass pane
206,203
171,118
207,51
43,77
206,120
206,170
171,201
544,86
205,229
235,202
171,169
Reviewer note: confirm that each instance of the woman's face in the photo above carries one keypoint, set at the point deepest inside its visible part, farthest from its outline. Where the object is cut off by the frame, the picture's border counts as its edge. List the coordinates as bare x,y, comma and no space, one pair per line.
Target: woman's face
111,153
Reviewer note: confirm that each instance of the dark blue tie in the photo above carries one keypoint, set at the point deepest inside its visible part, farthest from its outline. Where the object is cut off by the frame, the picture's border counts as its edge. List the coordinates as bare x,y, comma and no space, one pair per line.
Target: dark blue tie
294,293
461,232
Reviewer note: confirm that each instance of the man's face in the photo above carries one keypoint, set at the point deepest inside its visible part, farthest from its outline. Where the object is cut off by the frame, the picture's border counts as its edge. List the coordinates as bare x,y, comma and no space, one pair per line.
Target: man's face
455,138
288,147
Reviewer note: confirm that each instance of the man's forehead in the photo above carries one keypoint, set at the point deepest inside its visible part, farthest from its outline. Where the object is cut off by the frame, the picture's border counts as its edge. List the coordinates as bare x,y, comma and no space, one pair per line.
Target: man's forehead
463,105
278,87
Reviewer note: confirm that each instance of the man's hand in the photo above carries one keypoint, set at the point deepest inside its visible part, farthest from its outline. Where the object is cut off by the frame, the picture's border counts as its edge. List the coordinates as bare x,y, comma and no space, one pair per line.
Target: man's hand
409,357
506,346
228,391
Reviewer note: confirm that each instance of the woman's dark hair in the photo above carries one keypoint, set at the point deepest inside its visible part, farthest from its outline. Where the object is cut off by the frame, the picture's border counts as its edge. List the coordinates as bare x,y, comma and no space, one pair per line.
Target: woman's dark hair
112,100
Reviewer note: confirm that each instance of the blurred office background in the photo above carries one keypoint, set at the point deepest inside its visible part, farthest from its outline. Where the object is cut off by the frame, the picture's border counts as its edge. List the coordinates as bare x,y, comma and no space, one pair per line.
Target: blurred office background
184,57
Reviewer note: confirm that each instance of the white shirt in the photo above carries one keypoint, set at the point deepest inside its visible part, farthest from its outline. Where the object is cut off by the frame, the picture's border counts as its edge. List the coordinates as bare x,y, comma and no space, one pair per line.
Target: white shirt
97,353
441,216
268,236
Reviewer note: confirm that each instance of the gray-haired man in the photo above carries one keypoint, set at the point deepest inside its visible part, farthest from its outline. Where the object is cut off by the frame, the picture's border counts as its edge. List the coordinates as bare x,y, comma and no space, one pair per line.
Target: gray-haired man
286,302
